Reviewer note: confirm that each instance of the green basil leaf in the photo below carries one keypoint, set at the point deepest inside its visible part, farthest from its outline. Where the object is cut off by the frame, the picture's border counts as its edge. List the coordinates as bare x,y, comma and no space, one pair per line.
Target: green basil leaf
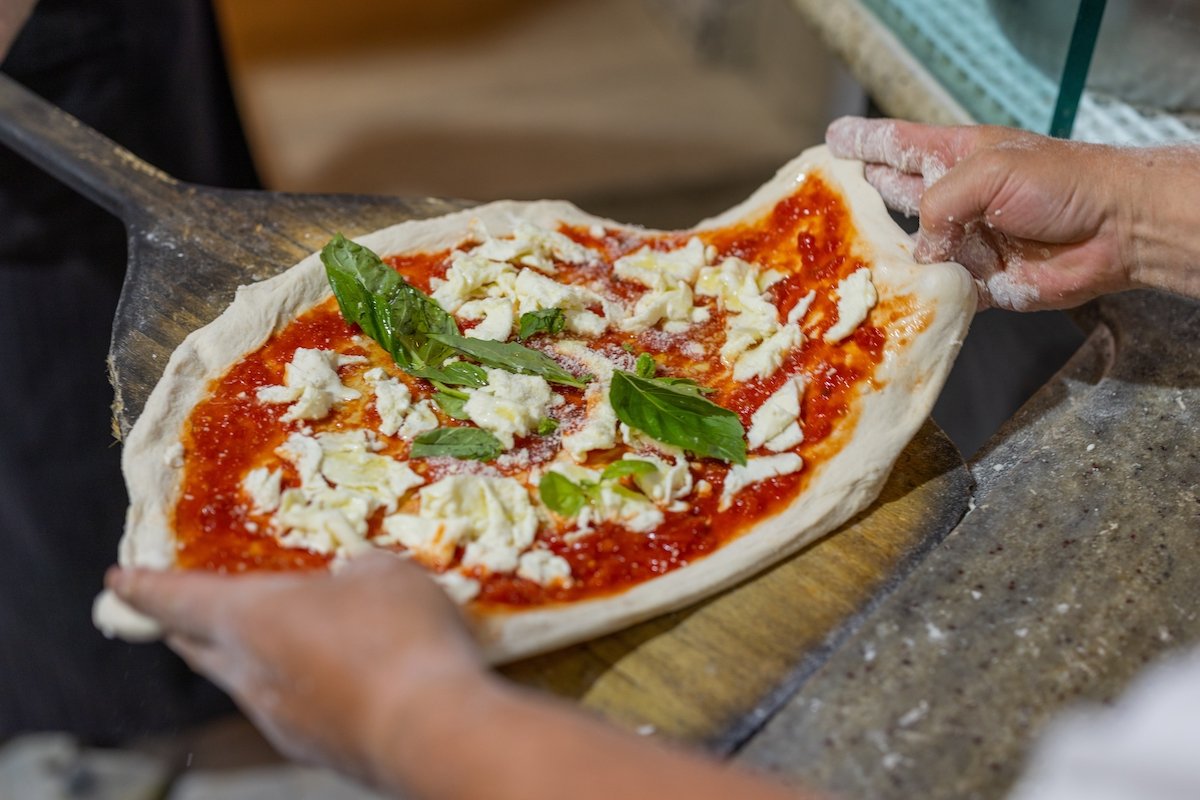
561,495
645,366
627,466
677,414
686,385
388,308
547,320
509,356
547,426
465,443
452,404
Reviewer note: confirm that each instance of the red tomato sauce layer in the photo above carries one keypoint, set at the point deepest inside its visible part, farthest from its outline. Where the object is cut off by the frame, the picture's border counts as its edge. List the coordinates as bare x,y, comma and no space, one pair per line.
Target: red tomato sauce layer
807,238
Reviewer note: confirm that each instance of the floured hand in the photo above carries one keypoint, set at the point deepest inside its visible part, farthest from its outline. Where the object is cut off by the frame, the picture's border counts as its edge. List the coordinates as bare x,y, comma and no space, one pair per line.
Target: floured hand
1041,223
325,664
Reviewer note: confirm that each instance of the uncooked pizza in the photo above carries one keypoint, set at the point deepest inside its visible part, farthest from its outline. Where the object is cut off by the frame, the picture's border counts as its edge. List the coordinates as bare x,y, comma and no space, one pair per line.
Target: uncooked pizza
572,423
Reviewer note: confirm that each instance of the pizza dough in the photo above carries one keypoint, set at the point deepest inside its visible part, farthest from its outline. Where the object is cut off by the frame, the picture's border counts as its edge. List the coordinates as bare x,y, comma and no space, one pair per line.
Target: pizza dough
913,369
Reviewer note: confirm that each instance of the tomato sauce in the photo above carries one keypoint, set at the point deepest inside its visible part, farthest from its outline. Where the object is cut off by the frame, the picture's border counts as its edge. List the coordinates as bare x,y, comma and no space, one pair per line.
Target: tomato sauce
807,238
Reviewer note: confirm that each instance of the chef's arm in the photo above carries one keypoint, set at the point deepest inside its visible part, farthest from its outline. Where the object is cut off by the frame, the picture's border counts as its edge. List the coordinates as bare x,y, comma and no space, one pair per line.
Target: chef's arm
13,14
372,671
1039,222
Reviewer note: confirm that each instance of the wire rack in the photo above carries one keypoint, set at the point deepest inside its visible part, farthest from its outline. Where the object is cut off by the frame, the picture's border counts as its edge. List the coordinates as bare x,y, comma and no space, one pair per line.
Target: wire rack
963,47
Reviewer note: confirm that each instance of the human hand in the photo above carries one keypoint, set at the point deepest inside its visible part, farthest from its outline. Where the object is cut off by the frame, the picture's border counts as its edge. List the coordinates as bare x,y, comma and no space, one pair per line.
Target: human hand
1041,223
13,14
327,665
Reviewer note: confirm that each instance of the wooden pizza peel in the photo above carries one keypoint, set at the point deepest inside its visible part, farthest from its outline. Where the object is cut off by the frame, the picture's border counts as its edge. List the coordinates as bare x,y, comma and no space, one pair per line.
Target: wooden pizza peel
710,674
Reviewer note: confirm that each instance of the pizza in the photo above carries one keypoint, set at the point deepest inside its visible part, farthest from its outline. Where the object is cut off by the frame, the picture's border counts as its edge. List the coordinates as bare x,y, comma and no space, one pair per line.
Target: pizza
573,424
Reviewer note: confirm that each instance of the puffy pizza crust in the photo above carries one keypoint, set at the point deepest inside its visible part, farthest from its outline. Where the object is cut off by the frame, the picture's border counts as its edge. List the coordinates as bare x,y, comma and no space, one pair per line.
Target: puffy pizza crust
912,374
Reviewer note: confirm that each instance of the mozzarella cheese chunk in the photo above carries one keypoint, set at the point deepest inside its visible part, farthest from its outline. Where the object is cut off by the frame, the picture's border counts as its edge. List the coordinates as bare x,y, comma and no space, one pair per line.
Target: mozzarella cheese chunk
775,424
509,405
544,568
420,418
311,385
500,519
611,502
670,481
497,316
533,246
342,482
470,277
658,269
433,541
459,587
856,298
263,486
535,292
392,400
763,360
599,428
802,305
755,470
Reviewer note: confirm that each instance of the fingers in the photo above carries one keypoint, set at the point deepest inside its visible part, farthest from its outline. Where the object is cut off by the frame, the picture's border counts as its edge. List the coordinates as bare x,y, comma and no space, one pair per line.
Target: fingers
901,191
961,198
187,603
926,150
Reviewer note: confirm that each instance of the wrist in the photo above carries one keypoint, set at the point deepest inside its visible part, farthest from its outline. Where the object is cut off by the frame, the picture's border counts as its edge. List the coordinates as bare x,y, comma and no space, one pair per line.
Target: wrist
1158,223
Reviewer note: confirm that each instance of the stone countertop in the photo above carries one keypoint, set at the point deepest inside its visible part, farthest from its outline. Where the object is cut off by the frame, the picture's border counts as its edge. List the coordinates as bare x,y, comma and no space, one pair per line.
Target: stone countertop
1076,567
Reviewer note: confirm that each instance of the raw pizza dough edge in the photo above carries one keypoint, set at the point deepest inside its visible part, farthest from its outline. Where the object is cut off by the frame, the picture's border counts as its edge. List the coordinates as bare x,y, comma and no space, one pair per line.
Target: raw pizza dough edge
839,489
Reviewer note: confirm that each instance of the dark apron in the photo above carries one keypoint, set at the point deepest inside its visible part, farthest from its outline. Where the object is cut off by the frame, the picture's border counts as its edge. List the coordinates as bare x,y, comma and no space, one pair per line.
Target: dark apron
149,74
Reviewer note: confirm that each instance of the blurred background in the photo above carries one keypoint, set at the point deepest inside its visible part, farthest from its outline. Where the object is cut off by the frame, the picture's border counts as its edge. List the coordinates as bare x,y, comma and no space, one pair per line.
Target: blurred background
652,111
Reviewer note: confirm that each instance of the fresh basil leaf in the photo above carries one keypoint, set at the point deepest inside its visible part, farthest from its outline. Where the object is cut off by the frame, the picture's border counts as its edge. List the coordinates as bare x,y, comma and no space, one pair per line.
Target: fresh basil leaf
627,466
547,426
465,443
509,356
677,414
452,404
627,347
645,366
388,308
547,320
561,495
456,373
686,385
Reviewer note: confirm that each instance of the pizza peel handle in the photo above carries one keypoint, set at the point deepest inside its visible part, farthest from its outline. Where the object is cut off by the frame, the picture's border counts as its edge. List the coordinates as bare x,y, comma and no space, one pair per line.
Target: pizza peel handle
190,246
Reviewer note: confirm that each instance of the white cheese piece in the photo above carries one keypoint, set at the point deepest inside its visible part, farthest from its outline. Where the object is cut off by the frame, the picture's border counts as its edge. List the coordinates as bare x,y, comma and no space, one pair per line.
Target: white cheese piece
755,470
534,246
599,428
671,305
769,278
311,384
459,587
263,486
656,269
775,424
332,519
501,521
856,297
670,480
544,568
420,418
470,277
434,541
802,305
392,401
497,316
349,464
763,360
612,503
535,292
509,405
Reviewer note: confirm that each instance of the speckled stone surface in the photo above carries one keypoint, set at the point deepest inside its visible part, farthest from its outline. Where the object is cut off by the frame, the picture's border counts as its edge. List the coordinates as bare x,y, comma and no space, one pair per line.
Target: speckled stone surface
1079,564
